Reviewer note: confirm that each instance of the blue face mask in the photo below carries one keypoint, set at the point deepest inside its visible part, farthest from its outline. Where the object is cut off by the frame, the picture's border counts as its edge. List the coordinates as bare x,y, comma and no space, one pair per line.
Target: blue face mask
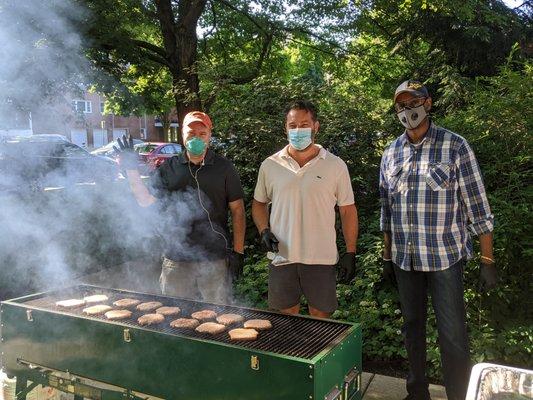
300,138
195,146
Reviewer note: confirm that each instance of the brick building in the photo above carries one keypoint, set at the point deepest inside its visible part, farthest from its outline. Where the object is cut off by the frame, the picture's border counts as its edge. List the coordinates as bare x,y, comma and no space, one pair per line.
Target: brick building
83,121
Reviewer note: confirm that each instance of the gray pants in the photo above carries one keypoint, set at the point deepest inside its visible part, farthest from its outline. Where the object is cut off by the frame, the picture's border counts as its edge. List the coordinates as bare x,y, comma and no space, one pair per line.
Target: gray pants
203,280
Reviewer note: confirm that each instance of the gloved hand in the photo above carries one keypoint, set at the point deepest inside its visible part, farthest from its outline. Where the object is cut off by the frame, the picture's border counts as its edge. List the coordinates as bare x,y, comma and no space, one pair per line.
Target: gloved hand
127,157
346,268
488,277
269,241
235,263
387,274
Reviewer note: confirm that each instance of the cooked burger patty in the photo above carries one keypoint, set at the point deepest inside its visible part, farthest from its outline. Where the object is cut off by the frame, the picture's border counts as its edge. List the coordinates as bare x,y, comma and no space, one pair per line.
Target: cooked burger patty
259,324
96,298
204,314
185,323
210,327
126,303
168,310
149,306
118,314
228,319
96,310
243,334
71,303
150,319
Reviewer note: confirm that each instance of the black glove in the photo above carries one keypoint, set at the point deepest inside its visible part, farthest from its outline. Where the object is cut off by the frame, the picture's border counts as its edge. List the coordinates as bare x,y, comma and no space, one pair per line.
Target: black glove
346,268
488,277
269,241
387,274
235,263
127,157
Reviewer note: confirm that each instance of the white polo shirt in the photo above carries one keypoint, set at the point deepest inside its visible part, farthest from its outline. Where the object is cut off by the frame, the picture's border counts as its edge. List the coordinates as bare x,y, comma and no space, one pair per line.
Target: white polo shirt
303,201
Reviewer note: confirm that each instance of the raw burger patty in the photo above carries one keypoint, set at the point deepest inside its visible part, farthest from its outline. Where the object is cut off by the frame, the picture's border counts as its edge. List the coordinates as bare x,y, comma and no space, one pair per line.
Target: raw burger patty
96,310
210,327
149,319
168,310
71,303
259,324
126,303
228,319
204,314
118,314
97,298
243,334
185,323
149,306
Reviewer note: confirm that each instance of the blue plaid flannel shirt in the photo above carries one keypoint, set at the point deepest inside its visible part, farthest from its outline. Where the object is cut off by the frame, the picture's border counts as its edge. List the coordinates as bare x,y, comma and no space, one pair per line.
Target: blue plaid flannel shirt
432,197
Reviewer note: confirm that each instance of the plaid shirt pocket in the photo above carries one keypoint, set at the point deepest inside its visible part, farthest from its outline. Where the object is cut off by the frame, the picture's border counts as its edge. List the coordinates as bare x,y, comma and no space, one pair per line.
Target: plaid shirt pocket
439,176
393,178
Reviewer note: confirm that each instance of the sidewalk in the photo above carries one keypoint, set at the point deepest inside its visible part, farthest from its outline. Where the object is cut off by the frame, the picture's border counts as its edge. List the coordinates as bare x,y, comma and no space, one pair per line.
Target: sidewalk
380,387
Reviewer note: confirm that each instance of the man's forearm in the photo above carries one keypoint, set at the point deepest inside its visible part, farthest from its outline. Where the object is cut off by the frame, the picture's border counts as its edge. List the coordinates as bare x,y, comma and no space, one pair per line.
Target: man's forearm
485,244
238,219
350,227
387,246
260,215
140,191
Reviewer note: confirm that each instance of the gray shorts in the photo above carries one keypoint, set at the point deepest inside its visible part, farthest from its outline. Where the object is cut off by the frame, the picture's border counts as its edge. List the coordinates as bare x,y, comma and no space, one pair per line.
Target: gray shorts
287,283
205,280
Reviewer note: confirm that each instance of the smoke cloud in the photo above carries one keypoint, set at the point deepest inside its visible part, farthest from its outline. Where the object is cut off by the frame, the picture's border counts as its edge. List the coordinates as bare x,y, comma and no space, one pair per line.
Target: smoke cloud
56,227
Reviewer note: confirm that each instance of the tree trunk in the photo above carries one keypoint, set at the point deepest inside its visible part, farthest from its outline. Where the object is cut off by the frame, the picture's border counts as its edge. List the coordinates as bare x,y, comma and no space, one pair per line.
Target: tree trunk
180,42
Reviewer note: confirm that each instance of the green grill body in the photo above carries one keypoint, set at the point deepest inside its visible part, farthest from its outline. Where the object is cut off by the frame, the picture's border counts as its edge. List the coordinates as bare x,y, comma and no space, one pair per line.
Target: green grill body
175,364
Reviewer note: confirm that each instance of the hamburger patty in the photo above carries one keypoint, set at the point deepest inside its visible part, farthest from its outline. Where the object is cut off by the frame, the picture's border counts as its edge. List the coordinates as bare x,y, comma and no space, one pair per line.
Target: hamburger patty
228,319
243,334
118,314
185,323
71,303
210,327
149,306
150,319
204,314
96,298
126,303
168,310
259,324
97,310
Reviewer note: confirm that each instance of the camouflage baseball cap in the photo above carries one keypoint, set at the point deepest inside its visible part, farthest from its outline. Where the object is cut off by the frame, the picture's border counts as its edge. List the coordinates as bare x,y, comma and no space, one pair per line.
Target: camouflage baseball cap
411,86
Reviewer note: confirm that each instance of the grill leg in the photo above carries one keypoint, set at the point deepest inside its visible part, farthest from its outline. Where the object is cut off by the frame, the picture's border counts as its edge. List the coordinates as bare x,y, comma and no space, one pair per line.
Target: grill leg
22,388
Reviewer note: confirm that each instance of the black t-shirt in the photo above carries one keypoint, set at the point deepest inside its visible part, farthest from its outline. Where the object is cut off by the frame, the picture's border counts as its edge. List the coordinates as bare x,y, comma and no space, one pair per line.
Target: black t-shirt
185,226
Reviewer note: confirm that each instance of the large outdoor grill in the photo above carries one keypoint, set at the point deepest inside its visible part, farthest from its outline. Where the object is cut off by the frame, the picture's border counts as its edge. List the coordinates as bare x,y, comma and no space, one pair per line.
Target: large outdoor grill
299,358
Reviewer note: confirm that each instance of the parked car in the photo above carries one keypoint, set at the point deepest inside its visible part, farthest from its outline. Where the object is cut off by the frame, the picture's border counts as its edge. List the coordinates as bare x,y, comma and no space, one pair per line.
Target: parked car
153,154
109,151
40,162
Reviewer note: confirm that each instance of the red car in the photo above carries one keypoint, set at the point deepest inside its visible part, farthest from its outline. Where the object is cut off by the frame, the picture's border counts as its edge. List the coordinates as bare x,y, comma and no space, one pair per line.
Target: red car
153,154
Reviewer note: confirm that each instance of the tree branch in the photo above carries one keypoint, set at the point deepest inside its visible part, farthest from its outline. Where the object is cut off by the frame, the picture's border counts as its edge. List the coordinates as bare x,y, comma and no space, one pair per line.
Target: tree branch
149,46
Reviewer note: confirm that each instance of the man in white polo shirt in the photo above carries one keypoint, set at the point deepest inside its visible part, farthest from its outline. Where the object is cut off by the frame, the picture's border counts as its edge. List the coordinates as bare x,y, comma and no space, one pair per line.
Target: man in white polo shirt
304,182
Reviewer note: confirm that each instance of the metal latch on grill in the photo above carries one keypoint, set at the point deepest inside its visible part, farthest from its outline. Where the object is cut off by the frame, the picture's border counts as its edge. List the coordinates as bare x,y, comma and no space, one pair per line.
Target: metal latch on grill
29,316
254,363
127,335
352,382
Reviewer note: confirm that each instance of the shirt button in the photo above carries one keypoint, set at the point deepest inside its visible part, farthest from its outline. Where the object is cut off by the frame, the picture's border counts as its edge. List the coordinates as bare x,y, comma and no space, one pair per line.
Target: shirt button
409,243
410,206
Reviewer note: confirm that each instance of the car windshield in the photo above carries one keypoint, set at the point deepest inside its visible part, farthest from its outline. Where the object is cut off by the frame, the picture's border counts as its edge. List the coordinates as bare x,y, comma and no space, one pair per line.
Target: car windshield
145,148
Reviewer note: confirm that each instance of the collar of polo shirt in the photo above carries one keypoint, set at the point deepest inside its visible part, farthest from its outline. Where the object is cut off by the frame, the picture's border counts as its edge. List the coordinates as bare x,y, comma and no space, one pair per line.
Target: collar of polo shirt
285,152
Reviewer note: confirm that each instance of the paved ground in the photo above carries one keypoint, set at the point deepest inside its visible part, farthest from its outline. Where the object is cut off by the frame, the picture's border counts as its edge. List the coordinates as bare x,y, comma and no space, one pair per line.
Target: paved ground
380,387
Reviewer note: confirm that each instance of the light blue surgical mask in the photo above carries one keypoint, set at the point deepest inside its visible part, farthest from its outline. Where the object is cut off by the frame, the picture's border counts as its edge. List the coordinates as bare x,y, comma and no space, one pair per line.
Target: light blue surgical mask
195,146
300,138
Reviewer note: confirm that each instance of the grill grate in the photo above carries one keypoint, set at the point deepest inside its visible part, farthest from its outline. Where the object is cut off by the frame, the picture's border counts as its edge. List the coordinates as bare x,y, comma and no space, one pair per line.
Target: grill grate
291,335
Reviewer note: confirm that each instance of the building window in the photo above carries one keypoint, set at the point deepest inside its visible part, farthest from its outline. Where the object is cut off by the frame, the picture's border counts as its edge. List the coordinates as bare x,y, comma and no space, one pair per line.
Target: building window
82,106
102,107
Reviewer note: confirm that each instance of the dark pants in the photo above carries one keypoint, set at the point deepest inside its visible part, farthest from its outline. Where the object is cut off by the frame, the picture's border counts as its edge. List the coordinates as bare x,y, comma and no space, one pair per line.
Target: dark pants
446,290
